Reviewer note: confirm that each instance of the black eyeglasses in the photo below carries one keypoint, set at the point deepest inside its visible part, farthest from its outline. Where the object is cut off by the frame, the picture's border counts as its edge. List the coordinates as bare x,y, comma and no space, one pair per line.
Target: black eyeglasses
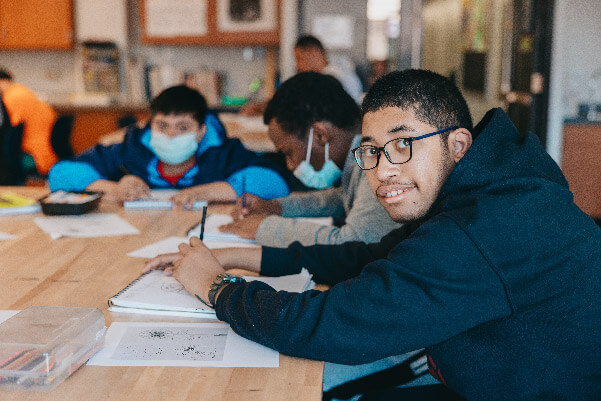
397,151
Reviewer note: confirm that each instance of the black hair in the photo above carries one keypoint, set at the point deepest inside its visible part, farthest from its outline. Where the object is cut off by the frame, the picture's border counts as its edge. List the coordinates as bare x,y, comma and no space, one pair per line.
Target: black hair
180,100
309,97
5,74
434,99
309,41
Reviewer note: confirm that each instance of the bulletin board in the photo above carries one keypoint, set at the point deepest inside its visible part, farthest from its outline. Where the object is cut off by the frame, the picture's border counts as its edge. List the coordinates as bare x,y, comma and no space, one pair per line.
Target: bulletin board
210,22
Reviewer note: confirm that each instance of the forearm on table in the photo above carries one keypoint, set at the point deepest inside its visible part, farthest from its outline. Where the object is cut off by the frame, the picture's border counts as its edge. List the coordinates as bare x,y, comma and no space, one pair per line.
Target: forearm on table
219,191
239,258
109,188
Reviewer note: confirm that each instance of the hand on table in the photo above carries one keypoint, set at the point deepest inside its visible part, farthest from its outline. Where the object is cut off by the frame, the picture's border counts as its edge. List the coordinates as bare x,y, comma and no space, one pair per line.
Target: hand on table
194,266
245,228
131,187
165,261
185,198
255,205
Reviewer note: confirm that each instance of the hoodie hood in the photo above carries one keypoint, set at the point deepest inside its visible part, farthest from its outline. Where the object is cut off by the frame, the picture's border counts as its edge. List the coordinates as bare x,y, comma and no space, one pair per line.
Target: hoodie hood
499,159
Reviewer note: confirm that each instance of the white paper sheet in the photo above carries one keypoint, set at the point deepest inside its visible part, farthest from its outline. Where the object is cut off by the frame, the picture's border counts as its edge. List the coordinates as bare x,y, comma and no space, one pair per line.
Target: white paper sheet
85,226
212,233
180,344
6,314
170,244
4,236
214,221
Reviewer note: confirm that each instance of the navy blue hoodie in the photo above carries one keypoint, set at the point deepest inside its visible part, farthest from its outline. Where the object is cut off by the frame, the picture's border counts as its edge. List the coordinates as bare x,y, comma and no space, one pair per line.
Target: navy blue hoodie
501,283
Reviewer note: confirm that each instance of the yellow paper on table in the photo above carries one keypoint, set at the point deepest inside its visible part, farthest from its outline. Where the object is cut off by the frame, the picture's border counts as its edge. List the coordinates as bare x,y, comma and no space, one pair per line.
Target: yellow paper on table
11,203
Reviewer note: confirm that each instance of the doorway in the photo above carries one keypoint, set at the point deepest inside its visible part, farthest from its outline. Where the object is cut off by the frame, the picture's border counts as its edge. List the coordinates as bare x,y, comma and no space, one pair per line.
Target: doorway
527,89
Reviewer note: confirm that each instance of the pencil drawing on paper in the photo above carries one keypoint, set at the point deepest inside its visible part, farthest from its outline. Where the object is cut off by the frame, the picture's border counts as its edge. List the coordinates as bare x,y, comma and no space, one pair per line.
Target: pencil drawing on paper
172,344
173,287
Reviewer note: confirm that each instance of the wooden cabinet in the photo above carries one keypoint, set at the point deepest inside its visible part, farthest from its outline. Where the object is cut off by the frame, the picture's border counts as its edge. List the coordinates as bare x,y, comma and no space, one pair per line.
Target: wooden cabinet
36,24
582,164
92,123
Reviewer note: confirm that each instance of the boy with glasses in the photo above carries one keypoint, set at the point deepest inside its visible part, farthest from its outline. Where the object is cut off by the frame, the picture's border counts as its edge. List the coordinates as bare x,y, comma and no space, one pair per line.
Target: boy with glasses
496,271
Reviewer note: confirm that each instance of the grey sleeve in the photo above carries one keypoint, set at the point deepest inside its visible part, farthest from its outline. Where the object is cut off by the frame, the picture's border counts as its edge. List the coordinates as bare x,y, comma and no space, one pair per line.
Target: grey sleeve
366,221
323,203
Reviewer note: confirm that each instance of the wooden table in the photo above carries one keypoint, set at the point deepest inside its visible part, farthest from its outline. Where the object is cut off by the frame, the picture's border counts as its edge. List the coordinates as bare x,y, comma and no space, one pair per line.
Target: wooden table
85,272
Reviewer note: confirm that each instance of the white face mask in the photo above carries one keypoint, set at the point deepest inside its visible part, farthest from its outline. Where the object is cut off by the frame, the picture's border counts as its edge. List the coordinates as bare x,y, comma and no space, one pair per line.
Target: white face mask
173,150
322,179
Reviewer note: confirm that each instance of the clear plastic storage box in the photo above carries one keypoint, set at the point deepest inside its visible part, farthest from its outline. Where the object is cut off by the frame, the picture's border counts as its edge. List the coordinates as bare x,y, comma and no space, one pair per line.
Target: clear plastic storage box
42,345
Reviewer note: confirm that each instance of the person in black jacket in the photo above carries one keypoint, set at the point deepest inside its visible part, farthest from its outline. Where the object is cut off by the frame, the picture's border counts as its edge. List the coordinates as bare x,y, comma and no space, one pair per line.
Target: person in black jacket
496,271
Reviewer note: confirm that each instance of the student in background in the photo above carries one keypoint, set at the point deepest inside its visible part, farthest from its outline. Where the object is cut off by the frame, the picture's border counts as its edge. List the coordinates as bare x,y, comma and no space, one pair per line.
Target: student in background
315,124
23,106
311,56
495,271
182,147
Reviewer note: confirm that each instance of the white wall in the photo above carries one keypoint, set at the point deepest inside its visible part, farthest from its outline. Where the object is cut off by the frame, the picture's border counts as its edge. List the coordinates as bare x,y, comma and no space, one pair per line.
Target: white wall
357,9
576,54
442,37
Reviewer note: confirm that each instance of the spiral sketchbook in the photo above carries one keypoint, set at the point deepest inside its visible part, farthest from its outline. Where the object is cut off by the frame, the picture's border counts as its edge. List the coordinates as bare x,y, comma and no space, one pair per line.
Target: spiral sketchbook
156,294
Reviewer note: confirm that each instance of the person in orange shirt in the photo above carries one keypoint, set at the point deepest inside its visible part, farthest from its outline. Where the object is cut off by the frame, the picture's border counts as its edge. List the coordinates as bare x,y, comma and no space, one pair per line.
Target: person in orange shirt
23,106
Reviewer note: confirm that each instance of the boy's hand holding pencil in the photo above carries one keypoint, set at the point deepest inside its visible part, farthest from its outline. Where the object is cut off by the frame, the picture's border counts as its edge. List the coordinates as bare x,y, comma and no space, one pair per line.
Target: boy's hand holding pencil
255,205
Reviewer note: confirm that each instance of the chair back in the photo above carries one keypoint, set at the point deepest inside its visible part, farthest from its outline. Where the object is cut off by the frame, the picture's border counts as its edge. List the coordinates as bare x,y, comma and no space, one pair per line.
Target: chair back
11,166
60,138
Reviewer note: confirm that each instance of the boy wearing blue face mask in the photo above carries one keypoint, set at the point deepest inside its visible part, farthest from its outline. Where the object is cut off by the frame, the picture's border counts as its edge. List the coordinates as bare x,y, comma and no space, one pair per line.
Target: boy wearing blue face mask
182,147
315,123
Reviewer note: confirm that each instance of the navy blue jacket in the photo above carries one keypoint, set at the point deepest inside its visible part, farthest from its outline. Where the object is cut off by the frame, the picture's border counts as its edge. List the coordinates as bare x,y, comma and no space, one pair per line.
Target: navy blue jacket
218,158
501,283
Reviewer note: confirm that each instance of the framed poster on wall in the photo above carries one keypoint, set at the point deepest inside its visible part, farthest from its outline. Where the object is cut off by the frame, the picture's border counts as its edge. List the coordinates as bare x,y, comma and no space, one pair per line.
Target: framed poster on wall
210,22
246,15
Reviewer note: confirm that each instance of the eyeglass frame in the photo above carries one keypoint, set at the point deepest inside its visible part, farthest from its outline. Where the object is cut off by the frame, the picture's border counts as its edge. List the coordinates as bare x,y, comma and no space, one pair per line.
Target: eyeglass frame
381,149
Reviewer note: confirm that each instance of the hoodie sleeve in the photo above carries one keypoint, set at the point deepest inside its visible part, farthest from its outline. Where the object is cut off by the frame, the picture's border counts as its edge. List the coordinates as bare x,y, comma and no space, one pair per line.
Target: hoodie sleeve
413,298
99,162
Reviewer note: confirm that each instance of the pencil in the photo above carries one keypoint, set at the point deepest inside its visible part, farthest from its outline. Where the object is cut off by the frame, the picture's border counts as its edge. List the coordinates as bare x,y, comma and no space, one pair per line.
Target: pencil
202,222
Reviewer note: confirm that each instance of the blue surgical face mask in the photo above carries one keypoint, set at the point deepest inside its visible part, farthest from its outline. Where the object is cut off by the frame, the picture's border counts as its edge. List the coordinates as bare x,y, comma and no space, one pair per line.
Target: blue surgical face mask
173,150
322,179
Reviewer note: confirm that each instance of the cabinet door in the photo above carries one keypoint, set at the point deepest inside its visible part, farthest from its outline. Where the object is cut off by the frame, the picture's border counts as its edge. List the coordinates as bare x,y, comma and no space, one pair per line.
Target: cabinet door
36,24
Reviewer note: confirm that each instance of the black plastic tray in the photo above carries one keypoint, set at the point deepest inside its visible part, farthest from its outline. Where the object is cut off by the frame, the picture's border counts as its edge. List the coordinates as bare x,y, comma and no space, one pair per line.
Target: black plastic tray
59,208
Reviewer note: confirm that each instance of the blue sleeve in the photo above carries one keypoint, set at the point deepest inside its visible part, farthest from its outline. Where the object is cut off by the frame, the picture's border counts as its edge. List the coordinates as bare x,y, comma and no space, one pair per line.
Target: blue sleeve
260,181
214,124
72,176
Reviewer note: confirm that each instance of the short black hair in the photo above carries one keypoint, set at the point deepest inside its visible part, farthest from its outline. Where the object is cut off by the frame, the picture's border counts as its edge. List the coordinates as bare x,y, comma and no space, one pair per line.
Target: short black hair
5,74
309,97
180,100
308,41
434,99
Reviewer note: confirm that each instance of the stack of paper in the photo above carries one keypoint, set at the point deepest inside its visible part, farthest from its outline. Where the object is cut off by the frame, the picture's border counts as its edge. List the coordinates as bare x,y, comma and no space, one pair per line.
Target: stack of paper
160,199
11,203
156,294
